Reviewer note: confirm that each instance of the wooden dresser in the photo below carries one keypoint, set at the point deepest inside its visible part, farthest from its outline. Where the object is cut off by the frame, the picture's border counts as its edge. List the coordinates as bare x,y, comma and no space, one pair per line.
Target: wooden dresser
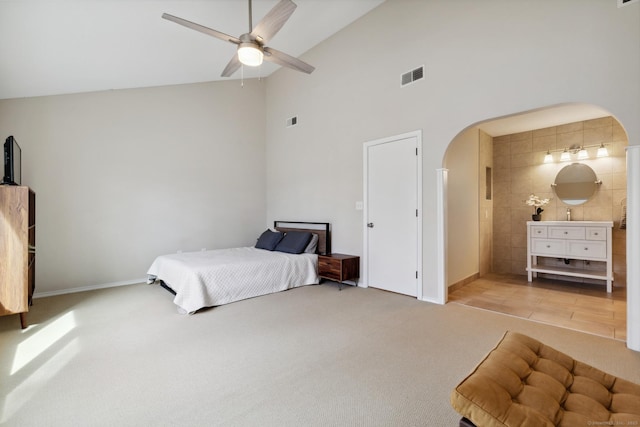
582,240
17,250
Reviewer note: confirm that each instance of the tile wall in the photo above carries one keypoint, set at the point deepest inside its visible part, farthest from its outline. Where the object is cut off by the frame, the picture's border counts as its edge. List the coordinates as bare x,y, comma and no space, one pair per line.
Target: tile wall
519,170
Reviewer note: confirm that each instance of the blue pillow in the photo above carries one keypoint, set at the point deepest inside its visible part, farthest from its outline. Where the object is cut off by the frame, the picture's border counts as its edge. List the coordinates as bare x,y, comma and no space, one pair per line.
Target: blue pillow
269,240
294,242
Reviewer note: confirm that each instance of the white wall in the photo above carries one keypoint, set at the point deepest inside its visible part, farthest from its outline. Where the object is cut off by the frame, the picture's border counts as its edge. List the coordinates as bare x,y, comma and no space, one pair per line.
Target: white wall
123,176
482,60
463,232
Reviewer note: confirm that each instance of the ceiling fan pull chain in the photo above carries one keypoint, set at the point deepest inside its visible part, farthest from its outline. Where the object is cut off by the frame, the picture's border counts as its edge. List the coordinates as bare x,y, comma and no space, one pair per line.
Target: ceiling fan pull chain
241,75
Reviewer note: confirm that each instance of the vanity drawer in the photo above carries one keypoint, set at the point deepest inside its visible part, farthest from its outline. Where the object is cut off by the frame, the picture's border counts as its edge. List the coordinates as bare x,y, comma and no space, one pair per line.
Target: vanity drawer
576,233
587,249
596,233
539,231
547,247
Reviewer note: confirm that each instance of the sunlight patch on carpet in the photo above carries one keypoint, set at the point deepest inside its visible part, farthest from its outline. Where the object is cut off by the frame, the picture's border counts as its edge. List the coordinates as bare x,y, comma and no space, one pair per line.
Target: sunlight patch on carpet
40,341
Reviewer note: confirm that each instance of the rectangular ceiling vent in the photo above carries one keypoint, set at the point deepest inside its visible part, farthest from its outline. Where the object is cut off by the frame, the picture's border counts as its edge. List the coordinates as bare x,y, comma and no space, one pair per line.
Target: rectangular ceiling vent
292,121
626,2
412,76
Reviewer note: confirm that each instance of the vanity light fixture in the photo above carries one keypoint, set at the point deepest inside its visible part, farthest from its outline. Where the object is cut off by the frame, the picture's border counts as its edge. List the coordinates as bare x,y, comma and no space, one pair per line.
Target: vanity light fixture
602,151
580,152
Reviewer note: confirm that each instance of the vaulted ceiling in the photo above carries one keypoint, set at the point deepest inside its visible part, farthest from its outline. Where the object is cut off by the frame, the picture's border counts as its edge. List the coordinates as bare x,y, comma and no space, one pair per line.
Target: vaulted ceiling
50,47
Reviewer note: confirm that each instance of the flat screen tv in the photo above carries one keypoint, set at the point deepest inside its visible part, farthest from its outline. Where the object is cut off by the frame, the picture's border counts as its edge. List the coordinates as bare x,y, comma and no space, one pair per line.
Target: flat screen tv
12,171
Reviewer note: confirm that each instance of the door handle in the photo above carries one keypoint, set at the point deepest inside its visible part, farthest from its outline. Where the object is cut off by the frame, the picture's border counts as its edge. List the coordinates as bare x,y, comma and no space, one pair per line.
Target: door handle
370,225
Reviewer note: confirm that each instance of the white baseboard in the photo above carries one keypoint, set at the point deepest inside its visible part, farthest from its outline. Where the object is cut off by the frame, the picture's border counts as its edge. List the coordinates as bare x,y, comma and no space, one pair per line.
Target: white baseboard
431,300
89,288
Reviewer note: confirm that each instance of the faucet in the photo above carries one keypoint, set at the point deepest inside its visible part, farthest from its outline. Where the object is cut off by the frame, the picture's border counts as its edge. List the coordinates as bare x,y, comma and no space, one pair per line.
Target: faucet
568,214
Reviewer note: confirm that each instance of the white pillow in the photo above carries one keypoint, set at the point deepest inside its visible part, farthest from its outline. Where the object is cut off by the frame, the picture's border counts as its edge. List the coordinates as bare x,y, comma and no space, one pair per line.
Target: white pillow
313,245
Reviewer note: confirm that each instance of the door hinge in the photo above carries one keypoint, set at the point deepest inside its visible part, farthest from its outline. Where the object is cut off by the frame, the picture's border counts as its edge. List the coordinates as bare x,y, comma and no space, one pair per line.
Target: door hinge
416,274
416,213
416,151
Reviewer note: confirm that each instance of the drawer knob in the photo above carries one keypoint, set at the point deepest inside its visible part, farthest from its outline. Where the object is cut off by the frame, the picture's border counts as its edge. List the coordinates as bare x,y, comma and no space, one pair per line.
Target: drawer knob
538,231
548,246
595,234
586,249
566,232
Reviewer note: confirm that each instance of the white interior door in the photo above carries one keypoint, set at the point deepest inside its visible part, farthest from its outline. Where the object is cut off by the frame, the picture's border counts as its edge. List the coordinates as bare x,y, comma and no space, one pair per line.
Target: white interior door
391,214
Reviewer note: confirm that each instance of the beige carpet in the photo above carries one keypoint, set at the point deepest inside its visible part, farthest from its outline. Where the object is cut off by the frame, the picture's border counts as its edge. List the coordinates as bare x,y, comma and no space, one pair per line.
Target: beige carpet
312,356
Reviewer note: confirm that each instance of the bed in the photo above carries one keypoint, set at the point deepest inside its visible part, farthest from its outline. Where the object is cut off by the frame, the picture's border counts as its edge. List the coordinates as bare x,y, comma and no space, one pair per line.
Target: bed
212,278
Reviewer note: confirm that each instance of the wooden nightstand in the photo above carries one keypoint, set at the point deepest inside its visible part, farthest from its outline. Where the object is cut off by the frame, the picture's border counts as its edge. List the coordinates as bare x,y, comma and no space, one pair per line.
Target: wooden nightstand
339,267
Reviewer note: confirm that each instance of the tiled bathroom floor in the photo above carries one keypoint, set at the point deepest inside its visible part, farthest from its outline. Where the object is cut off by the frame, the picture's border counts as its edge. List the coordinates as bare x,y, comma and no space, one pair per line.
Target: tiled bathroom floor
586,308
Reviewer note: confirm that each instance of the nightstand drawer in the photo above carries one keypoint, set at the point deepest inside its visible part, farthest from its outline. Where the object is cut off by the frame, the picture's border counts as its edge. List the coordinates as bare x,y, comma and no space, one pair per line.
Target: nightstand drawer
329,268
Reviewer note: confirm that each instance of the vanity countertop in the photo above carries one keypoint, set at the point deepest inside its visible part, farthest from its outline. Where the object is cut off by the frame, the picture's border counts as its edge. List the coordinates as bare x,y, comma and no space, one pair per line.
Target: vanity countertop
573,223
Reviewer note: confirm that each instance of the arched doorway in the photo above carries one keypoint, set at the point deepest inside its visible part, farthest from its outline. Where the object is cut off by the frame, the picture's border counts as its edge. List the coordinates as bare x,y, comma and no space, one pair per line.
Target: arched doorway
493,166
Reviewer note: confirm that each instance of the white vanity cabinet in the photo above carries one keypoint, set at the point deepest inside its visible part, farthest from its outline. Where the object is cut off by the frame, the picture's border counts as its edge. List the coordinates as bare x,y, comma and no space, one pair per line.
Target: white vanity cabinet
584,240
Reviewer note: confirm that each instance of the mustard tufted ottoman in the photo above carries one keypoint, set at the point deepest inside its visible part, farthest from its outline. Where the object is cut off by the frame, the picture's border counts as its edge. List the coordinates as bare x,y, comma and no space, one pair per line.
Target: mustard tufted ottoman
523,382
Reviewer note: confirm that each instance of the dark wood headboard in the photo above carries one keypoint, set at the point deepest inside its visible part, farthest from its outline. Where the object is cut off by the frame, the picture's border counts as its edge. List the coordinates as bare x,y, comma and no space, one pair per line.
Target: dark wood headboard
322,229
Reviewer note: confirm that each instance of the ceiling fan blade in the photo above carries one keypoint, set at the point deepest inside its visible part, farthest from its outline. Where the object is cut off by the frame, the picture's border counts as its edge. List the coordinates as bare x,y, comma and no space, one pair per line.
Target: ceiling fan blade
201,28
273,21
285,60
232,66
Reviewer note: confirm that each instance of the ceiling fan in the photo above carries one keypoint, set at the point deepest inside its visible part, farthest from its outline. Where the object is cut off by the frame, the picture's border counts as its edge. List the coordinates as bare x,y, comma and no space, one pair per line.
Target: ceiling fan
251,45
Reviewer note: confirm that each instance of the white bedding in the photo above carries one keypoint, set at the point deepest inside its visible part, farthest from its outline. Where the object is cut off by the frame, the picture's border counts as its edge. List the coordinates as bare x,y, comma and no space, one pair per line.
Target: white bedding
210,278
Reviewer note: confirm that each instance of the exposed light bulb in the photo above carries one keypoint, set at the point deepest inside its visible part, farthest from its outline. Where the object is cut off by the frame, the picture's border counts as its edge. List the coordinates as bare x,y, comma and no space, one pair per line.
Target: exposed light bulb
602,151
548,158
565,156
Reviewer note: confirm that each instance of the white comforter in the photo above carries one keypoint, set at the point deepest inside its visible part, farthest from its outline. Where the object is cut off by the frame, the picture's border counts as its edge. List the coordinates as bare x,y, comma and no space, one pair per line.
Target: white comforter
210,278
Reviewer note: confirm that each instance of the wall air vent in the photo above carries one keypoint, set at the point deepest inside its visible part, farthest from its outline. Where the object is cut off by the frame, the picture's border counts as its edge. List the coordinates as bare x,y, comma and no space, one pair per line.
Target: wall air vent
292,121
626,2
412,76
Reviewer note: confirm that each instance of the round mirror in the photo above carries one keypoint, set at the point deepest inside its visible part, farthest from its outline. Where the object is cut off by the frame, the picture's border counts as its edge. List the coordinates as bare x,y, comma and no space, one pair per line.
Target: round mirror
575,184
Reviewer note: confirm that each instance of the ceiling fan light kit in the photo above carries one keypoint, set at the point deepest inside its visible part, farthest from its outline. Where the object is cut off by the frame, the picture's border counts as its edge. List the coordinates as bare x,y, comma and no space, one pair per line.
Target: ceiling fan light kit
251,46
250,55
